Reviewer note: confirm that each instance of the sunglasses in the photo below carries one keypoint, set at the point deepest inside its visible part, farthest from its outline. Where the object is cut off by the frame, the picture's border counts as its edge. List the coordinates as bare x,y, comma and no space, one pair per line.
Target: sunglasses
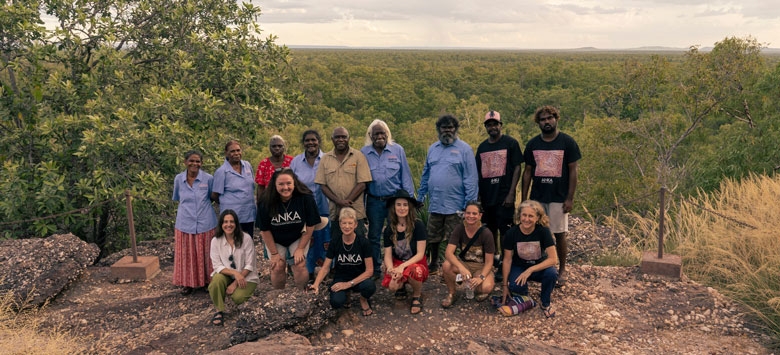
232,263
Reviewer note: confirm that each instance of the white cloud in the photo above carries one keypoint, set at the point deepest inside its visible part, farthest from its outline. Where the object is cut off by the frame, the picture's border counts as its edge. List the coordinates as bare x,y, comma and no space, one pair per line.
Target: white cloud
519,24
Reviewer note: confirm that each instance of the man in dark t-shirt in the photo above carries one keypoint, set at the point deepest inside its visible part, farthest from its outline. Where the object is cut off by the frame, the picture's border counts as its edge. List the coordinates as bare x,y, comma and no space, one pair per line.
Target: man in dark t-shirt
498,165
551,163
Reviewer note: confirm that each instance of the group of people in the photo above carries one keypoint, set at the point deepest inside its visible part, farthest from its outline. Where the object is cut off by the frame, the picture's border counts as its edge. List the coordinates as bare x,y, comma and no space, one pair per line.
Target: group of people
354,212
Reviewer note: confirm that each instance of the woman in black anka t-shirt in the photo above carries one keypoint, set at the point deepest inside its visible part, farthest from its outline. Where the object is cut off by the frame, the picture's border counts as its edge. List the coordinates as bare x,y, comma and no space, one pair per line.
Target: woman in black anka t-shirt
287,206
353,265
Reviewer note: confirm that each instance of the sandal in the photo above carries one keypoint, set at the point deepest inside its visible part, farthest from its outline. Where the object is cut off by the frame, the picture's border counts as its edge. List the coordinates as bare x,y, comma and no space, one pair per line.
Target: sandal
561,281
401,294
367,311
217,320
186,291
448,301
549,312
481,297
416,303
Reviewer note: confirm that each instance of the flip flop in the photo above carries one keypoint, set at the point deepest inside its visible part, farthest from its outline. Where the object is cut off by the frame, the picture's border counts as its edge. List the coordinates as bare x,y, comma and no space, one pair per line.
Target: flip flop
549,312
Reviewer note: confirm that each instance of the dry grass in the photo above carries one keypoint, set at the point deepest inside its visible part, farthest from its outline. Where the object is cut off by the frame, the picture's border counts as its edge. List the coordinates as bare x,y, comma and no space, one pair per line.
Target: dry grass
740,261
20,331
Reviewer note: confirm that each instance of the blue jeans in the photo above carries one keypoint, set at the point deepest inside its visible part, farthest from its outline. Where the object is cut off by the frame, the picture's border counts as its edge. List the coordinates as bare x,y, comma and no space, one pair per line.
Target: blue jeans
317,249
376,212
548,277
367,288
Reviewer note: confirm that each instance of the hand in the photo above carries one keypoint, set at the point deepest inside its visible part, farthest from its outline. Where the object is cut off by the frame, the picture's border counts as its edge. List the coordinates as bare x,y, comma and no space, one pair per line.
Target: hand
567,206
298,256
397,273
340,286
504,293
315,287
474,282
231,288
344,203
276,259
241,281
523,278
509,201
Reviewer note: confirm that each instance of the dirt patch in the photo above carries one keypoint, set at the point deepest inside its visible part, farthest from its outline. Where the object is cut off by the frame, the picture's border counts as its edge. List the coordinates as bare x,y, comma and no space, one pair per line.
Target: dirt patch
601,310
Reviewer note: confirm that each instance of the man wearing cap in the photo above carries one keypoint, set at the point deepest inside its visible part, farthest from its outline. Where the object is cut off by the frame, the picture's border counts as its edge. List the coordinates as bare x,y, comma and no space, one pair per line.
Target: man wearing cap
342,176
390,173
498,163
551,163
449,179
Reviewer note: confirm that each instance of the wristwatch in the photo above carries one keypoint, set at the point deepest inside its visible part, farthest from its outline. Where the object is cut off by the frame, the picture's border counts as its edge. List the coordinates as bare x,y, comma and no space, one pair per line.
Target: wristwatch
482,277
352,283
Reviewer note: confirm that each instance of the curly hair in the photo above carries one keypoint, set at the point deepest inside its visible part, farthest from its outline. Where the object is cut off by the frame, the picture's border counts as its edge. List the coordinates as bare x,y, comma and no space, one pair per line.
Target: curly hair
543,221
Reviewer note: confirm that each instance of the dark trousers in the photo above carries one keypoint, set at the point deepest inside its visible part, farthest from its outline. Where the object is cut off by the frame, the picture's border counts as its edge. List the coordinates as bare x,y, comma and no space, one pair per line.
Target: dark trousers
367,288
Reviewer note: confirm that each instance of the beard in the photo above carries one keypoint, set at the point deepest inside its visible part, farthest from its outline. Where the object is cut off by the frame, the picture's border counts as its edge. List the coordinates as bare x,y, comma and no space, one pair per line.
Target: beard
447,138
547,128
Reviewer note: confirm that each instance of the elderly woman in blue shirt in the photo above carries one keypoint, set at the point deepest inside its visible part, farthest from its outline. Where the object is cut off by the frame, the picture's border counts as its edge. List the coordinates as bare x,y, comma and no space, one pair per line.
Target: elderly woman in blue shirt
234,187
196,224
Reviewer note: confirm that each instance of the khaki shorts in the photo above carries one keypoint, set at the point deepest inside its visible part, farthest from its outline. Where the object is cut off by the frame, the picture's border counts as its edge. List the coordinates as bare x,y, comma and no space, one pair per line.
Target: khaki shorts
475,268
559,221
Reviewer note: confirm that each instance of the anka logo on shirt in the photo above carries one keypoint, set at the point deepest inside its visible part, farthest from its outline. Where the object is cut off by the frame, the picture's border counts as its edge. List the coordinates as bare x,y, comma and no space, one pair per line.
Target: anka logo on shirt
286,218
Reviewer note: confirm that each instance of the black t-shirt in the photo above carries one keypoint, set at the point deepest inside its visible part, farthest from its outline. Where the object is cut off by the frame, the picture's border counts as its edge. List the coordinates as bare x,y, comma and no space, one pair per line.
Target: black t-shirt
287,225
403,250
349,261
550,162
528,249
496,163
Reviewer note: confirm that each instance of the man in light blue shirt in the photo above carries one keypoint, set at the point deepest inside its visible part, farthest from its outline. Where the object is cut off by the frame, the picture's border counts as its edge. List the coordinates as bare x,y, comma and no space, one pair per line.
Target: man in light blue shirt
305,167
234,187
450,180
390,173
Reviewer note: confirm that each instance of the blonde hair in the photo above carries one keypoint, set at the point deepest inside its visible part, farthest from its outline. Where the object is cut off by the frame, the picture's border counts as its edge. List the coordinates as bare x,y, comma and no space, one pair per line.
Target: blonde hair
543,221
348,212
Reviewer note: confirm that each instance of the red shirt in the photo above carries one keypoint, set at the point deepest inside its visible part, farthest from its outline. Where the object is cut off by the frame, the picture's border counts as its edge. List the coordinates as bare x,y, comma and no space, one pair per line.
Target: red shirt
266,169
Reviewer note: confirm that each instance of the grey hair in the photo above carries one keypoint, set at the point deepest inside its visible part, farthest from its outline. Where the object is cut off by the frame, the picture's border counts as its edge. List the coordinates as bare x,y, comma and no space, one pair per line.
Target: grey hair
382,124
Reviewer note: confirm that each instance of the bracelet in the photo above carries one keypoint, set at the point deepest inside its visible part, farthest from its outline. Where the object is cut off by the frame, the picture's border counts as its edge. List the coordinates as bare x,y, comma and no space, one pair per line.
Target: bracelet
277,253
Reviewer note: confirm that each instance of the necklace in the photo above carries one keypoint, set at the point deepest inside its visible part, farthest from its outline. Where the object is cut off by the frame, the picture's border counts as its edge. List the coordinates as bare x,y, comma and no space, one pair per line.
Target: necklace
350,246
286,205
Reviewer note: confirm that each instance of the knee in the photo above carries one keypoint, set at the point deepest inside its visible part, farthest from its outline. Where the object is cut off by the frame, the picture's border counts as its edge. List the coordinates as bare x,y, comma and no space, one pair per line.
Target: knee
550,274
337,299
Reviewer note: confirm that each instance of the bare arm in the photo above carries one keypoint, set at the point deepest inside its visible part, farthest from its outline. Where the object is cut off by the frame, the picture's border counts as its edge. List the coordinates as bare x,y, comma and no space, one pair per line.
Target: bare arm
569,203
509,201
527,175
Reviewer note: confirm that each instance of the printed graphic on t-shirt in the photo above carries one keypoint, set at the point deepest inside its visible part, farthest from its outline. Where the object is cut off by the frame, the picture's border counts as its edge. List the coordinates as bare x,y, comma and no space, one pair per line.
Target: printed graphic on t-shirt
529,250
474,254
402,250
493,163
549,163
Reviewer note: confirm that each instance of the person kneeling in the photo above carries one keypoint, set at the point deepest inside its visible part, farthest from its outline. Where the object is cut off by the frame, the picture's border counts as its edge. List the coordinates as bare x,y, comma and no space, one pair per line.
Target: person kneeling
475,260
352,263
235,265
529,255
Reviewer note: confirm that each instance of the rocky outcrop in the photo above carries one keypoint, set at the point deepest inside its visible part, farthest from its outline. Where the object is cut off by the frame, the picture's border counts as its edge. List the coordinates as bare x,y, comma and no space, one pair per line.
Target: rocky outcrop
36,270
289,309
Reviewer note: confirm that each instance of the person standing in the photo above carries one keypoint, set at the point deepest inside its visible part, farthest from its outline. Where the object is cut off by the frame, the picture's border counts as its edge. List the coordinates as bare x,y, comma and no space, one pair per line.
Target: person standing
342,176
196,224
449,179
268,166
499,159
305,166
551,163
390,173
234,187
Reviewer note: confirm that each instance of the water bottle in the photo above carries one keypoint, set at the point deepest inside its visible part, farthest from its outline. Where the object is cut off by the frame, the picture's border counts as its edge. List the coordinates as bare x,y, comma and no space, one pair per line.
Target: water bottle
469,290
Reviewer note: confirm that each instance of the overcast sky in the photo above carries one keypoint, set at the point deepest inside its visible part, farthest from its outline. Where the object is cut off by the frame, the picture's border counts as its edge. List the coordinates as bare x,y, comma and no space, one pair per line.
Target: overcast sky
519,24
